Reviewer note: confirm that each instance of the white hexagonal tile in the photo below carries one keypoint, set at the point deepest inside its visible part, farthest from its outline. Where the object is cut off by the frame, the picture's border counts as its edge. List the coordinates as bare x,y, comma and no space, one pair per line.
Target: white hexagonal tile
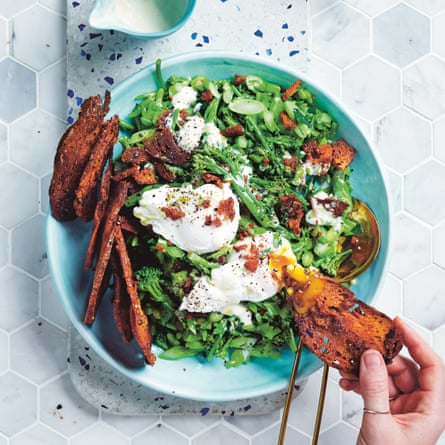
55,5
19,298
405,129
408,257
218,435
340,433
372,7
63,409
18,92
20,399
99,433
3,143
8,9
319,5
4,352
269,436
370,87
38,351
424,333
42,49
304,407
439,139
423,87
44,130
338,28
190,425
38,435
429,310
390,298
20,188
427,180
395,184
254,424
52,90
50,306
3,37
430,7
29,246
439,245
401,35
438,34
43,196
130,425
439,341
4,247
325,75
159,434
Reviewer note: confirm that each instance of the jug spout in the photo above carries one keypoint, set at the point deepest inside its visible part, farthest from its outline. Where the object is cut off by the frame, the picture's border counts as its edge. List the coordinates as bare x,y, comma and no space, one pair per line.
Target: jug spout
103,15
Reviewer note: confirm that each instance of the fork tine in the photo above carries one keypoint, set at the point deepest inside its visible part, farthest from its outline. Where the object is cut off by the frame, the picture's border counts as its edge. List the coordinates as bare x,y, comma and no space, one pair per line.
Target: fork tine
290,391
321,399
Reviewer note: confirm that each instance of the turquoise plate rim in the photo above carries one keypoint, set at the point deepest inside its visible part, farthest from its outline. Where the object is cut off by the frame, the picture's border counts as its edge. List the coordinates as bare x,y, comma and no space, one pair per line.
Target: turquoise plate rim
195,378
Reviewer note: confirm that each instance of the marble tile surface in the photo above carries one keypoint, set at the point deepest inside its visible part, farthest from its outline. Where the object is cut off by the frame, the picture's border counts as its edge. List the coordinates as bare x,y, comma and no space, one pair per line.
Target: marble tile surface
384,59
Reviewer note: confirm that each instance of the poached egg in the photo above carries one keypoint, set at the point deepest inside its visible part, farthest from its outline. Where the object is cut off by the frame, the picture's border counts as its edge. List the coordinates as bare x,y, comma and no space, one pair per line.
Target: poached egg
252,273
200,220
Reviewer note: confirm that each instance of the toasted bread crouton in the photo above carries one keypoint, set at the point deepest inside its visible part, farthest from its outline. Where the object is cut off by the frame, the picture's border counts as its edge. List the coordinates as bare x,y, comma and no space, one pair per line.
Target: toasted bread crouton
342,154
320,155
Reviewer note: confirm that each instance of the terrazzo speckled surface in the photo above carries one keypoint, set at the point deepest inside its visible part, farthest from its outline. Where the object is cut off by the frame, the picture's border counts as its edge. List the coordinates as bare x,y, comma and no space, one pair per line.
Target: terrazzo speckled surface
385,59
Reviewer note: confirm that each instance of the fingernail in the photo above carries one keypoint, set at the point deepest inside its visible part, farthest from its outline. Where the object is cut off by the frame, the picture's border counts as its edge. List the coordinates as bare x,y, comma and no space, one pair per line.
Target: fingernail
373,359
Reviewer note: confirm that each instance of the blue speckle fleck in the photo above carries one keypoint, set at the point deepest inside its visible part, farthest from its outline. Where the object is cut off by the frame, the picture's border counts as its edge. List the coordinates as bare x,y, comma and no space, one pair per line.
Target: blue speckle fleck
109,80
75,4
70,120
285,26
302,32
79,101
290,38
258,33
82,361
204,411
139,60
294,52
247,407
81,27
206,39
199,45
269,51
112,57
70,93
194,35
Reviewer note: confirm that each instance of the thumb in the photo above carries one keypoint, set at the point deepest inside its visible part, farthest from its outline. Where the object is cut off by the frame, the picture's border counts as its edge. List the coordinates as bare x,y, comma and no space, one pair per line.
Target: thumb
374,381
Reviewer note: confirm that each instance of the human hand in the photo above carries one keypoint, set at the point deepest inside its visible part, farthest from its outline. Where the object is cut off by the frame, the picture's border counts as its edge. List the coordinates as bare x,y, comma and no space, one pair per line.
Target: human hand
404,401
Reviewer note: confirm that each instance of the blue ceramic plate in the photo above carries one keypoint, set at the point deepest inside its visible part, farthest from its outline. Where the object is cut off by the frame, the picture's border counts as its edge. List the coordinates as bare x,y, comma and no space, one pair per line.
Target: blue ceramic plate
195,378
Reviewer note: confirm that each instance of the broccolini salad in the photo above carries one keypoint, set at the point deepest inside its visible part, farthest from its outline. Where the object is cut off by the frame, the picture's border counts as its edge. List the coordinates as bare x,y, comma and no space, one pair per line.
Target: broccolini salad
232,179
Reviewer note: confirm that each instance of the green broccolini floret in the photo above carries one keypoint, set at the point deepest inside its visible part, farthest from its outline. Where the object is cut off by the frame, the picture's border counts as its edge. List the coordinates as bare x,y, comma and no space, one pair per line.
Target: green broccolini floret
149,280
214,160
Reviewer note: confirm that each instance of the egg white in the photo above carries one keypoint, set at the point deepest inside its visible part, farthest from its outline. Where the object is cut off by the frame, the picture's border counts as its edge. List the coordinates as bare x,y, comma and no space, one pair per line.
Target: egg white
233,283
192,232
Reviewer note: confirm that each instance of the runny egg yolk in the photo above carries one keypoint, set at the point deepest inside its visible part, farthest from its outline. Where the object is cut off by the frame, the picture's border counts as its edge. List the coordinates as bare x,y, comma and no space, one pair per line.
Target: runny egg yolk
309,287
